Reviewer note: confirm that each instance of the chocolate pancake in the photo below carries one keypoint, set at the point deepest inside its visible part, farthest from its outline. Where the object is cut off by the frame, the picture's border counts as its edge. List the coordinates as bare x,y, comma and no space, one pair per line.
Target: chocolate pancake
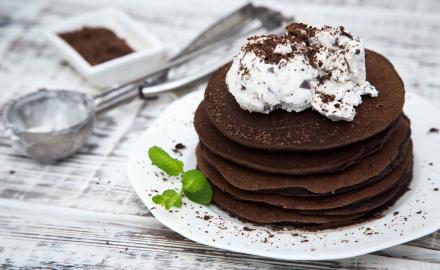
373,203
357,201
282,162
308,130
369,170
261,213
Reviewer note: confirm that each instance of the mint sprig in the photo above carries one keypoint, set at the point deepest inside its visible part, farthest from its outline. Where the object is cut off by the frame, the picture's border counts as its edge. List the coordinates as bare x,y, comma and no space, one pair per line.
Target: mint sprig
195,186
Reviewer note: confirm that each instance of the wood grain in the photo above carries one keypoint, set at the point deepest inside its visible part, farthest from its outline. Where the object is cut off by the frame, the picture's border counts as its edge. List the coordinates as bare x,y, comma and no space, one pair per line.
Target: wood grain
83,213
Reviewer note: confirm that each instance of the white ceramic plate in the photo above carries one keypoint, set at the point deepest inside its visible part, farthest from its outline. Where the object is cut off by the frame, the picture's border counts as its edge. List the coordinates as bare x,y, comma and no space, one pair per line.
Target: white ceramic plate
416,214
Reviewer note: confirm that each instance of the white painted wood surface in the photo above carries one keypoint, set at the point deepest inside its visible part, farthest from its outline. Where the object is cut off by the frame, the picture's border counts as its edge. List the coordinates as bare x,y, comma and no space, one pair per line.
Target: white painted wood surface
83,213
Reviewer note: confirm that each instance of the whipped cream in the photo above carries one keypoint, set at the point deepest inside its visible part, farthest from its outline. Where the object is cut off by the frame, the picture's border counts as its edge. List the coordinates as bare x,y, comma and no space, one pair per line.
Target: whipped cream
322,68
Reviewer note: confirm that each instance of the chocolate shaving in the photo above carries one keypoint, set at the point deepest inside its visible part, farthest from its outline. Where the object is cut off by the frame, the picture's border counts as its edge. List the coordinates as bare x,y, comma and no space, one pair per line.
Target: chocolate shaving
264,46
323,78
305,84
301,32
327,98
345,33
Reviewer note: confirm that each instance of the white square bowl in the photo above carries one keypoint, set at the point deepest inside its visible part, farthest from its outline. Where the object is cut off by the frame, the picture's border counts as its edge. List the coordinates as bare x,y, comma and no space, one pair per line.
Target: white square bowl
148,50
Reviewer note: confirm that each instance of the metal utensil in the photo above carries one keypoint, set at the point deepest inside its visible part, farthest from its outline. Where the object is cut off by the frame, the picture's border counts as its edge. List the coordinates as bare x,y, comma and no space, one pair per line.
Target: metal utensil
234,25
240,23
49,125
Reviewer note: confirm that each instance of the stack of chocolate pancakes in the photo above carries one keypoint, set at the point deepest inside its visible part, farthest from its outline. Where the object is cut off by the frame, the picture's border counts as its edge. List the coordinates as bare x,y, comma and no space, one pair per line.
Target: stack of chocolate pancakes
301,168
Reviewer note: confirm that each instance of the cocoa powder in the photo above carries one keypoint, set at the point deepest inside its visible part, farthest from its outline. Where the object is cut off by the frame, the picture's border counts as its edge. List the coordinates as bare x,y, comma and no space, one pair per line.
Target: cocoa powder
96,44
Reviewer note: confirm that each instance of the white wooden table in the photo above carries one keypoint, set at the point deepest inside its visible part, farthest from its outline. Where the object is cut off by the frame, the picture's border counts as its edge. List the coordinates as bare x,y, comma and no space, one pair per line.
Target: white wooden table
83,213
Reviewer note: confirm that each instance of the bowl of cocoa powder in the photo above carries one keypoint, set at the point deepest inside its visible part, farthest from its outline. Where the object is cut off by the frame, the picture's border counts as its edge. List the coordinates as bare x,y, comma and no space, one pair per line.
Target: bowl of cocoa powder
106,47
96,44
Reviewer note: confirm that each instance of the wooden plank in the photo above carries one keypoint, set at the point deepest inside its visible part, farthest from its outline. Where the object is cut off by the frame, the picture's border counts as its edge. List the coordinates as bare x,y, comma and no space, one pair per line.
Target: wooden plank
431,241
38,234
413,253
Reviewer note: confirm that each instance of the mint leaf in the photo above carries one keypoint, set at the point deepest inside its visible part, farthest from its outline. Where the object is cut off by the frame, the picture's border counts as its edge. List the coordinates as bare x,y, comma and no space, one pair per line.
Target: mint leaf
159,199
172,198
193,180
196,187
203,196
165,162
169,198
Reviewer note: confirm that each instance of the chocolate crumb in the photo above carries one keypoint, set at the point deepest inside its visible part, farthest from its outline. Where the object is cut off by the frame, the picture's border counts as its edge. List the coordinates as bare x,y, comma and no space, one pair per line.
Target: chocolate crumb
178,147
245,70
433,130
327,98
305,84
345,33
245,228
323,78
